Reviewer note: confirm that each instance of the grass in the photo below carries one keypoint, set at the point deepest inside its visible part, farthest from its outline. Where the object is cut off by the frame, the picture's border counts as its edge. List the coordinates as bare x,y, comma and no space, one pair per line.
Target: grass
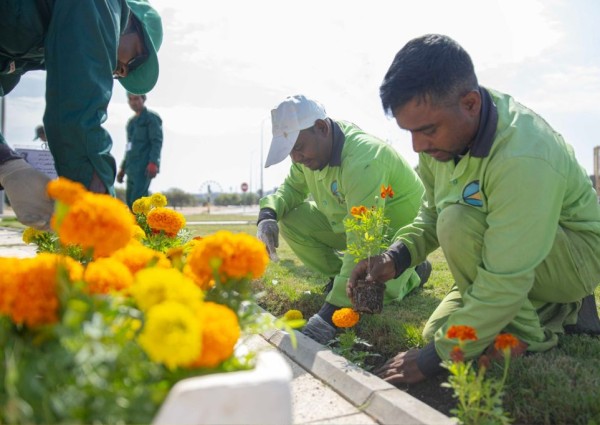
561,386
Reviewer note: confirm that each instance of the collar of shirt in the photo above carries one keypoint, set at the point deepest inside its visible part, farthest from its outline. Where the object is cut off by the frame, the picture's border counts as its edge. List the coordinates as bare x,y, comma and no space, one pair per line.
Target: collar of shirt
488,121
337,144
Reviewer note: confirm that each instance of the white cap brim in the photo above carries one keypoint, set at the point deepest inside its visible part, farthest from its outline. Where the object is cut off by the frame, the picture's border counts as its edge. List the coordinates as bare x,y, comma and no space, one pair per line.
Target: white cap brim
281,146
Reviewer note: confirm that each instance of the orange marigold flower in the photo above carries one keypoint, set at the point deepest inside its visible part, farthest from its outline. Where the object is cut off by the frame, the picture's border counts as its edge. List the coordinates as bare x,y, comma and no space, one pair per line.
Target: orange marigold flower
231,256
166,220
462,333
345,317
137,257
387,191
457,355
65,190
358,211
506,341
11,267
99,222
107,275
220,332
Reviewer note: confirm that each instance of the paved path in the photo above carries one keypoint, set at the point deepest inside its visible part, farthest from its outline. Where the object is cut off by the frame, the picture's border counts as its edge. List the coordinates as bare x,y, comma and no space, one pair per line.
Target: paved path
326,388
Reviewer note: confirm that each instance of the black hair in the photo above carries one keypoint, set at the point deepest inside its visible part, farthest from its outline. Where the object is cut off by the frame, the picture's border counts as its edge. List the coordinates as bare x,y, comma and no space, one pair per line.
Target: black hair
143,96
433,67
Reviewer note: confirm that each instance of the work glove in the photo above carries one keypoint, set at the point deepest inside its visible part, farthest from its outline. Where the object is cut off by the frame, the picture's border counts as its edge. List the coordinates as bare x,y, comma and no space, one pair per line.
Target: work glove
268,233
151,170
26,190
120,176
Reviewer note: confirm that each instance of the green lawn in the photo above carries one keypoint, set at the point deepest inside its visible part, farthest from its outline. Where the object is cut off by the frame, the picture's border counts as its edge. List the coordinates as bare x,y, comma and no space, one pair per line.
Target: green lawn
561,386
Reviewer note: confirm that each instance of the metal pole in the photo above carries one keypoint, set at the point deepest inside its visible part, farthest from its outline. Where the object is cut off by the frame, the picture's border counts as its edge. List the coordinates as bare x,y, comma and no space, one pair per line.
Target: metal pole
262,163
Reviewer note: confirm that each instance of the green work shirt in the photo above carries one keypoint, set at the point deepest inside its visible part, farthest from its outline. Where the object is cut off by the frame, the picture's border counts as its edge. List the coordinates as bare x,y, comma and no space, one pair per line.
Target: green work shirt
354,179
144,142
526,184
76,43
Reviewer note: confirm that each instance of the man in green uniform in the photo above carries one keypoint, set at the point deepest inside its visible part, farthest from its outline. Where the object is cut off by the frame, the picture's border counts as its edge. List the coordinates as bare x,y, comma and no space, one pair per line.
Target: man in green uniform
514,213
142,155
339,166
82,45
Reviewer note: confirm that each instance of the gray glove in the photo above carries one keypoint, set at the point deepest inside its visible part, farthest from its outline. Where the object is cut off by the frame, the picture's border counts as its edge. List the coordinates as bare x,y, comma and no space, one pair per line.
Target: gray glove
268,233
26,190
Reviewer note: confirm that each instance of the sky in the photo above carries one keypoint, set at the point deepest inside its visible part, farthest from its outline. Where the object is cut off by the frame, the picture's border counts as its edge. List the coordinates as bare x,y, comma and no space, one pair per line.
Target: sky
224,65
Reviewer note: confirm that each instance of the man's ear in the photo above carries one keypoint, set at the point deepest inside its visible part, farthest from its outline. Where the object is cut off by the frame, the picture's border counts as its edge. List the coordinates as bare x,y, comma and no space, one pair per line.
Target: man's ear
471,102
321,127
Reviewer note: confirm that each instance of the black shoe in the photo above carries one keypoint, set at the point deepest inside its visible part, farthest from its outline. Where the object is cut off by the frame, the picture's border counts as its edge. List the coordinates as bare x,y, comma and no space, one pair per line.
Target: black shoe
587,318
423,271
328,287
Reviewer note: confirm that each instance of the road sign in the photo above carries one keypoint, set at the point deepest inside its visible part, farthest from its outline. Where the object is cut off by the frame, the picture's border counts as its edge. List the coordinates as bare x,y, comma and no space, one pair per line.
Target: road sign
244,187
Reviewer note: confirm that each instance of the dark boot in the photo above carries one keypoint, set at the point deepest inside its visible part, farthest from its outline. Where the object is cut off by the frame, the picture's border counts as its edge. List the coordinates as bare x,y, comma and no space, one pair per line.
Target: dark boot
587,318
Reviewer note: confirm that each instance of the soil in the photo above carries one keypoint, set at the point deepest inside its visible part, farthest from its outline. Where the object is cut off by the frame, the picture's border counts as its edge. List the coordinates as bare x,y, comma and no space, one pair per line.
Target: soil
368,297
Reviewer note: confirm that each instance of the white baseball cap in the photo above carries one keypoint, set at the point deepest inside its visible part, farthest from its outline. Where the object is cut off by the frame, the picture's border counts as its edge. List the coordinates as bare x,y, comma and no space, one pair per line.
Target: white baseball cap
295,113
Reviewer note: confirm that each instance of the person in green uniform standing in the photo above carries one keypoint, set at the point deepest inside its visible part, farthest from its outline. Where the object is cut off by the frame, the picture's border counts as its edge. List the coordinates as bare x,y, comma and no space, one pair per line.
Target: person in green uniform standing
515,214
83,46
144,144
335,166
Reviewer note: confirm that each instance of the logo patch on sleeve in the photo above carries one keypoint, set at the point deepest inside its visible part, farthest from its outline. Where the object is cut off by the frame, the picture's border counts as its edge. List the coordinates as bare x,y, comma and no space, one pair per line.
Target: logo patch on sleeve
472,195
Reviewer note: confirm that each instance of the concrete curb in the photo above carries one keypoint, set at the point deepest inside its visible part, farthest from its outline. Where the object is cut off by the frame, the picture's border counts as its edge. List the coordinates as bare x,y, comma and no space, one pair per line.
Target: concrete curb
372,395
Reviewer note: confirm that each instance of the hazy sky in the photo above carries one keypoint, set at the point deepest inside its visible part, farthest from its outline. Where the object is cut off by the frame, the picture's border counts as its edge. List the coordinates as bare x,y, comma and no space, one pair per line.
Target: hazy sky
225,64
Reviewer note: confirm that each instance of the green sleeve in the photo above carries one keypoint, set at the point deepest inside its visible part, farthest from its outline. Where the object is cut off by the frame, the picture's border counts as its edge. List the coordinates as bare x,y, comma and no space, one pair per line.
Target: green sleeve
289,195
155,138
522,226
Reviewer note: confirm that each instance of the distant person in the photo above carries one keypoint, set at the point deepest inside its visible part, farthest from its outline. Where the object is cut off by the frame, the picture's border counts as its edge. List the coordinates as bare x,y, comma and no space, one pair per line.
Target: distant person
40,134
513,211
335,166
142,155
82,45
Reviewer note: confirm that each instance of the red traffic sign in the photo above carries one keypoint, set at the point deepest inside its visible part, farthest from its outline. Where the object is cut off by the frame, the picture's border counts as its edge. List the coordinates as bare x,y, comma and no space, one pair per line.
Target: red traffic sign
244,187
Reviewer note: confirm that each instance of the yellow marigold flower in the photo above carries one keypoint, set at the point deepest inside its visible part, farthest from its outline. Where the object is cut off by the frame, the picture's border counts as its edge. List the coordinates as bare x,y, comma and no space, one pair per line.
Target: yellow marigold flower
506,341
166,220
158,200
97,221
34,300
345,317
171,335
141,206
220,332
107,275
203,284
293,315
137,257
138,233
232,256
30,234
462,333
154,286
65,190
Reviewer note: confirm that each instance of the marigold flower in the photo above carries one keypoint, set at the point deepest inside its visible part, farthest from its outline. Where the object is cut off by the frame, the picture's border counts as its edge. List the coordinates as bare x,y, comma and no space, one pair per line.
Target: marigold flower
154,286
138,233
345,317
137,257
99,222
166,220
506,341
220,332
30,234
231,256
171,335
457,355
358,211
65,190
293,315
141,206
107,275
387,191
158,200
462,333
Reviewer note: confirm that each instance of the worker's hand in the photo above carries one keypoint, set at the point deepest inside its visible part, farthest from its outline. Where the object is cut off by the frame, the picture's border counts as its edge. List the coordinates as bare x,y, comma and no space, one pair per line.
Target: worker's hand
401,369
151,170
120,175
268,232
26,190
380,268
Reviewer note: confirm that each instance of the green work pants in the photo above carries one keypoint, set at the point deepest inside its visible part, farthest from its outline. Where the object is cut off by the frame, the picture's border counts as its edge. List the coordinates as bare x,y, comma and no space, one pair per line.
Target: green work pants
309,234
